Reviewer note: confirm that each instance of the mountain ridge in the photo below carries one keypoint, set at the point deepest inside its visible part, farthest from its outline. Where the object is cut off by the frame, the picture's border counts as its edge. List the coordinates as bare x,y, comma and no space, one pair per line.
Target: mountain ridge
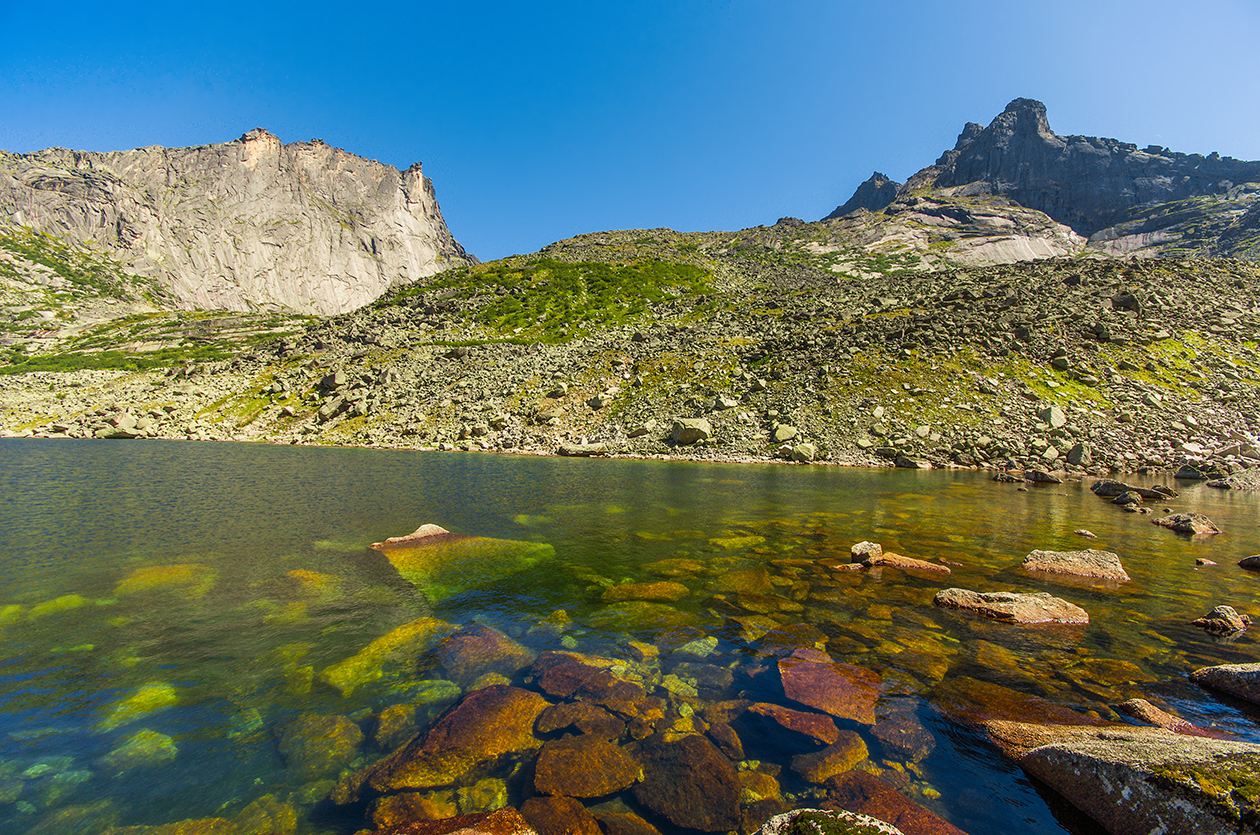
1121,199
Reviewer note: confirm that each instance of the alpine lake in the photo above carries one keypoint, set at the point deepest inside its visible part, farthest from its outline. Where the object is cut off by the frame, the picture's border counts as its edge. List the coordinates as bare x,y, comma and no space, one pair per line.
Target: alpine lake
197,637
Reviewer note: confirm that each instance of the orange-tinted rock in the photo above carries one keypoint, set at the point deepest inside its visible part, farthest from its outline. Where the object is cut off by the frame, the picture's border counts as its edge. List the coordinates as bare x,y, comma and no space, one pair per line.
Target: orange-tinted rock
814,726
506,821
974,702
316,746
1013,607
583,766
1145,711
584,717
866,794
475,650
689,783
621,697
484,724
844,691
727,741
905,563
624,823
818,766
559,816
266,816
406,807
903,738
395,725
663,591
561,673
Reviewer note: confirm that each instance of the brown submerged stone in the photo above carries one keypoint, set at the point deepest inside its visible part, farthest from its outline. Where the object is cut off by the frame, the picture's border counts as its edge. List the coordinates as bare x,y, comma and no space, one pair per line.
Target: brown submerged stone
727,740
506,821
814,726
483,725
624,698
584,766
905,563
811,677
474,650
689,783
663,591
857,791
978,703
1145,711
407,807
560,674
624,823
903,737
584,717
837,758
559,816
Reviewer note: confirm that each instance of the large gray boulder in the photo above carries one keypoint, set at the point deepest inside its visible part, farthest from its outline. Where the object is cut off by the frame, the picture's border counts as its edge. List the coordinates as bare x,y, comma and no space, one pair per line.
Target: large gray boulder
1012,607
1142,781
687,431
1239,680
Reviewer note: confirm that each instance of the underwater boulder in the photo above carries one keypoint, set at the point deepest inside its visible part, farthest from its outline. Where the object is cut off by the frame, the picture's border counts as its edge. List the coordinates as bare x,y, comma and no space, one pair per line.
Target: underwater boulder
441,564
400,647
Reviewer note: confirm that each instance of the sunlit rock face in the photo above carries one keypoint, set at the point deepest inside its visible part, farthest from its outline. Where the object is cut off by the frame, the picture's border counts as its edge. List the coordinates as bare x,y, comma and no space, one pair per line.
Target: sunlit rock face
243,225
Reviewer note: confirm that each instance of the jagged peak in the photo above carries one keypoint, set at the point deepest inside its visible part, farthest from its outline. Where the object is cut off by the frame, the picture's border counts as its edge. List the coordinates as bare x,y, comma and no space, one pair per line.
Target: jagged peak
969,132
1023,116
257,134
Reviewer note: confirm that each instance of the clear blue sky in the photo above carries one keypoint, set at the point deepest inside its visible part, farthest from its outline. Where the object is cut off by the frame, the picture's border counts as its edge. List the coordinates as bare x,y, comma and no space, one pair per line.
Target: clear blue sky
538,121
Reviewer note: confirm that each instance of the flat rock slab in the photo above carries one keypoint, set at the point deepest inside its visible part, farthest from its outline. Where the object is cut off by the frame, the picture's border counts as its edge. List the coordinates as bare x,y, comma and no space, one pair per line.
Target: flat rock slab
559,816
1189,523
1109,489
1087,563
474,650
664,591
1143,780
825,822
689,783
841,756
904,563
1239,680
441,564
1012,607
811,677
815,726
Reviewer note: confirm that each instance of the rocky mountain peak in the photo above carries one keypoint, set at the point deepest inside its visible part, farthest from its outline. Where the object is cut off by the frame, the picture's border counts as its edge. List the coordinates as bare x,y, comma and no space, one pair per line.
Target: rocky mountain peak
1025,117
874,194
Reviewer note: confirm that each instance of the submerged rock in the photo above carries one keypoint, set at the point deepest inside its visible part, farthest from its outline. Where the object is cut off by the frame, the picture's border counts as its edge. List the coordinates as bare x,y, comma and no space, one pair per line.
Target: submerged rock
505,821
475,650
142,702
483,725
1146,712
194,580
144,748
1189,523
811,677
1011,607
559,816
1149,779
823,822
1087,563
904,563
866,794
1239,680
402,646
664,591
689,783
815,727
584,766
316,746
841,756
1223,620
440,563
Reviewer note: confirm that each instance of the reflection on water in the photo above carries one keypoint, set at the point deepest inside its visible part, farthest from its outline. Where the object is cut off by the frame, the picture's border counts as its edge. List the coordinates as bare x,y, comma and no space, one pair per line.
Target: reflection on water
199,631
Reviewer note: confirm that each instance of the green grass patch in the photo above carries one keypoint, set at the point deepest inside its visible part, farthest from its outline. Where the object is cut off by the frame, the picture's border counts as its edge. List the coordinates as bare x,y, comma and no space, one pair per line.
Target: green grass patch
555,301
114,360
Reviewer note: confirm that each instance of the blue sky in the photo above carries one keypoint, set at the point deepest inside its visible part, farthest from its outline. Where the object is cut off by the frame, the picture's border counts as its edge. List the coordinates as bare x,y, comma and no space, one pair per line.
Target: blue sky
544,120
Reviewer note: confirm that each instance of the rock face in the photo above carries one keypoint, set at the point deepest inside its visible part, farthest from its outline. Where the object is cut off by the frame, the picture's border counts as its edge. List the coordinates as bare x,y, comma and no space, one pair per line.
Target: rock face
874,194
1012,607
1087,563
240,225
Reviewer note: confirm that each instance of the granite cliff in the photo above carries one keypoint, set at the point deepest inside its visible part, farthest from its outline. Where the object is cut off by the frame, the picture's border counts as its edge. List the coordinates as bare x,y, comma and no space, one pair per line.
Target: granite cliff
244,225
1122,199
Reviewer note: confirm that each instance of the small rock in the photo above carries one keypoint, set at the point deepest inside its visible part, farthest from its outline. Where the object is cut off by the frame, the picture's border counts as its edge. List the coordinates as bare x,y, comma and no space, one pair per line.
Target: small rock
687,431
864,549
1087,563
1012,607
1189,523
1223,620
1251,563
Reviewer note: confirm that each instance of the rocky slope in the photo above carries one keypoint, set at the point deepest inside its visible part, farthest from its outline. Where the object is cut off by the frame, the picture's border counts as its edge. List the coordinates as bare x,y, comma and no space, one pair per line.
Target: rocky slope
1123,200
600,343
245,225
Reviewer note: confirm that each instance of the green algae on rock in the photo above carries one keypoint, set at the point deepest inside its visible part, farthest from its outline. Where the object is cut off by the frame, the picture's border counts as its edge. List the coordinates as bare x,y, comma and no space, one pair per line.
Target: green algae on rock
142,702
401,646
441,564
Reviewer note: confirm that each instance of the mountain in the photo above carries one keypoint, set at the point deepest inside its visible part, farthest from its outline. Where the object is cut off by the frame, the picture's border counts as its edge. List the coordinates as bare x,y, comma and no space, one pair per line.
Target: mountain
252,224
1122,200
